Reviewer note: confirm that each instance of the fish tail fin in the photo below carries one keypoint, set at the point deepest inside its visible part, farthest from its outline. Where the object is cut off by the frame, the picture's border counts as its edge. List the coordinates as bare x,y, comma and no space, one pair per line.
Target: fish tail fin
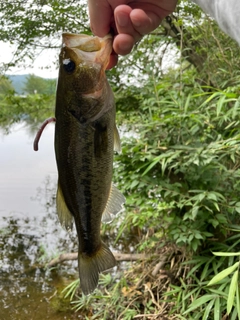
91,266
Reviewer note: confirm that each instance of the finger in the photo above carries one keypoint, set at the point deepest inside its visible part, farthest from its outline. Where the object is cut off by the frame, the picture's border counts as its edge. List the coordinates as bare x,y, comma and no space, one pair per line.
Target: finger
123,22
100,14
123,44
144,22
112,61
160,8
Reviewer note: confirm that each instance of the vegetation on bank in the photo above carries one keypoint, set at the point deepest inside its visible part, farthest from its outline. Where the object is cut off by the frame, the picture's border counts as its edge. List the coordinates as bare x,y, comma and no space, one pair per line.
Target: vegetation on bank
33,107
179,170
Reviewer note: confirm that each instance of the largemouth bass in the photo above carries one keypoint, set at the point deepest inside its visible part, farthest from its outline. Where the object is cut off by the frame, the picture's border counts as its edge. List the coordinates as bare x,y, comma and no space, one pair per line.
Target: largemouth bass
85,137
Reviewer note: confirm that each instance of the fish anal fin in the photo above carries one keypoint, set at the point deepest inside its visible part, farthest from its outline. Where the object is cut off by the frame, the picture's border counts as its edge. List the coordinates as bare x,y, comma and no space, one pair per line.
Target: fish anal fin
117,141
91,266
114,204
65,216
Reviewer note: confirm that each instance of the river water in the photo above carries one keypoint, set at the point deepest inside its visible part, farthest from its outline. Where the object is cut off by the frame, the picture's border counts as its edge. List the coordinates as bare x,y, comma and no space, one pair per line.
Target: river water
30,234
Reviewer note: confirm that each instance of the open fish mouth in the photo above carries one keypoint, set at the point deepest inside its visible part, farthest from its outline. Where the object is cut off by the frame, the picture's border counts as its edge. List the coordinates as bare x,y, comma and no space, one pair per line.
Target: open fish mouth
90,49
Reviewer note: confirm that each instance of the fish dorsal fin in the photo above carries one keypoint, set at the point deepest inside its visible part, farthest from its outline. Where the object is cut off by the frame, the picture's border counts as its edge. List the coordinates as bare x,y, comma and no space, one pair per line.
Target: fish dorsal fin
65,216
117,141
114,204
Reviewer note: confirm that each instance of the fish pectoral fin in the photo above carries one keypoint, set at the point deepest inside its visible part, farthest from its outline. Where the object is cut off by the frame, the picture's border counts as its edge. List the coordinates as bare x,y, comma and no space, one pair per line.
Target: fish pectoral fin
114,204
117,141
100,139
91,266
65,216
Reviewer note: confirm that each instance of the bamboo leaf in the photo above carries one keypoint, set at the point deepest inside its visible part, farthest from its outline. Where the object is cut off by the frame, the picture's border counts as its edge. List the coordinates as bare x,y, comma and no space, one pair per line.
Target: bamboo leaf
238,302
232,291
234,314
223,274
227,254
220,104
199,302
155,161
208,309
217,312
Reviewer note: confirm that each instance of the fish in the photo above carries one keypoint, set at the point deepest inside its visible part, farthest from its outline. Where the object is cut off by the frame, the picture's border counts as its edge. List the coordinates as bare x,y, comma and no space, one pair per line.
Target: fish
86,137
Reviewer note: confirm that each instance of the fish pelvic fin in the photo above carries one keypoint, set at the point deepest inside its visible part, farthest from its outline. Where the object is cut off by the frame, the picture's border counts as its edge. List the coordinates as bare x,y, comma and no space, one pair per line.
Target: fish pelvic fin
114,204
91,266
64,215
117,141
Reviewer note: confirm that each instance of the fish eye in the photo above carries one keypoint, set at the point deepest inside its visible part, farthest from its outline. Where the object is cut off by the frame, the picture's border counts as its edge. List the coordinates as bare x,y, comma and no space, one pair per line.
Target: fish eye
69,65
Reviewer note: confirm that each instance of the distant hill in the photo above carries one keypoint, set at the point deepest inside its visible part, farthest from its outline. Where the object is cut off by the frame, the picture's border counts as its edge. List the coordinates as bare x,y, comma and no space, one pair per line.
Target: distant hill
18,82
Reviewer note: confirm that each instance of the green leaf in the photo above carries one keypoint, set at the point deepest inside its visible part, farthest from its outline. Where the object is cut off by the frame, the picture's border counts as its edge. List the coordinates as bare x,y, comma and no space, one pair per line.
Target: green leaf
232,291
220,104
206,270
199,302
134,184
195,212
234,314
223,274
195,243
216,206
208,310
154,162
238,302
217,312
219,293
237,209
227,254
212,196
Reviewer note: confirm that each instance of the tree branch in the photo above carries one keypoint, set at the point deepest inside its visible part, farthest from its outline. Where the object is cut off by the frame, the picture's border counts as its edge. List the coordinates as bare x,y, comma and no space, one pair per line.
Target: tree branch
118,256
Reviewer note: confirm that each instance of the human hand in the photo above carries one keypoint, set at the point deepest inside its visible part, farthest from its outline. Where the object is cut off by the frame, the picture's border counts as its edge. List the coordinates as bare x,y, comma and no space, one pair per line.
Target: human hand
129,20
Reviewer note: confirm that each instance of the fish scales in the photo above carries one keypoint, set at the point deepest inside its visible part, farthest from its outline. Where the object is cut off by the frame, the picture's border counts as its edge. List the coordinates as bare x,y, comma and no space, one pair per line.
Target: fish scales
86,178
85,135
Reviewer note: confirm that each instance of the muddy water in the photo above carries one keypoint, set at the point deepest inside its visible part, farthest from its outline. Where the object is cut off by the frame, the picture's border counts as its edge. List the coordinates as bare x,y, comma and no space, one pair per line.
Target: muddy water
30,234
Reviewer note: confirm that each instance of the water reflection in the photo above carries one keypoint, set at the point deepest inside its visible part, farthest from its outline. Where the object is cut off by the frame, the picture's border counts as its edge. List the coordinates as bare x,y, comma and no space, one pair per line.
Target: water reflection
30,234
22,170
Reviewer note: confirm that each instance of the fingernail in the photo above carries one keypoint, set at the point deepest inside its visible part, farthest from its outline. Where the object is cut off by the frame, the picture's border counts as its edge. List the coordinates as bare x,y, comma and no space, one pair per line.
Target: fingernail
122,19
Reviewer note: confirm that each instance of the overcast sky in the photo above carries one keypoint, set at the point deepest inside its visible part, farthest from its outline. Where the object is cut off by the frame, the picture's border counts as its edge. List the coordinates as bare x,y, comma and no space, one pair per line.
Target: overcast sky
46,58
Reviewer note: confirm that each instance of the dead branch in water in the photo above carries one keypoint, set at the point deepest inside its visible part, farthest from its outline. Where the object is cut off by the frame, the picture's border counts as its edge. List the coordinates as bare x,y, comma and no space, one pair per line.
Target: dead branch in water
118,256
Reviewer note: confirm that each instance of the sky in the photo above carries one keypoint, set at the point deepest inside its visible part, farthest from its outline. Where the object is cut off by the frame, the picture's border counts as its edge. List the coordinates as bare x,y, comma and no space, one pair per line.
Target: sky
47,57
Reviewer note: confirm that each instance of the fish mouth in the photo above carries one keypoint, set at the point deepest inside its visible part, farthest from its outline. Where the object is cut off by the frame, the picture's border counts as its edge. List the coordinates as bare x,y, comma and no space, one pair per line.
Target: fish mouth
89,48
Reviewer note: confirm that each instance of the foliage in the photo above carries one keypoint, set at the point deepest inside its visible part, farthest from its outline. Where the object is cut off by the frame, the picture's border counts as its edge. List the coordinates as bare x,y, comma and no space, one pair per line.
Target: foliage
179,166
182,166
179,169
5,85
115,298
39,24
197,298
39,85
33,109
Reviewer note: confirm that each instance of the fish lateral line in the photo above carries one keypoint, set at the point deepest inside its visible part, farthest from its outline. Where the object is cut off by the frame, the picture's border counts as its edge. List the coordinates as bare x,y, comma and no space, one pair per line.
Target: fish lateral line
40,131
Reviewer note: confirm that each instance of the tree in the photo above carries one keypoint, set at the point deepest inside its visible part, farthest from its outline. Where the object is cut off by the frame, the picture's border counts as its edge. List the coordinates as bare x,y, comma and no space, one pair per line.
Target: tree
179,166
39,85
33,26
5,85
